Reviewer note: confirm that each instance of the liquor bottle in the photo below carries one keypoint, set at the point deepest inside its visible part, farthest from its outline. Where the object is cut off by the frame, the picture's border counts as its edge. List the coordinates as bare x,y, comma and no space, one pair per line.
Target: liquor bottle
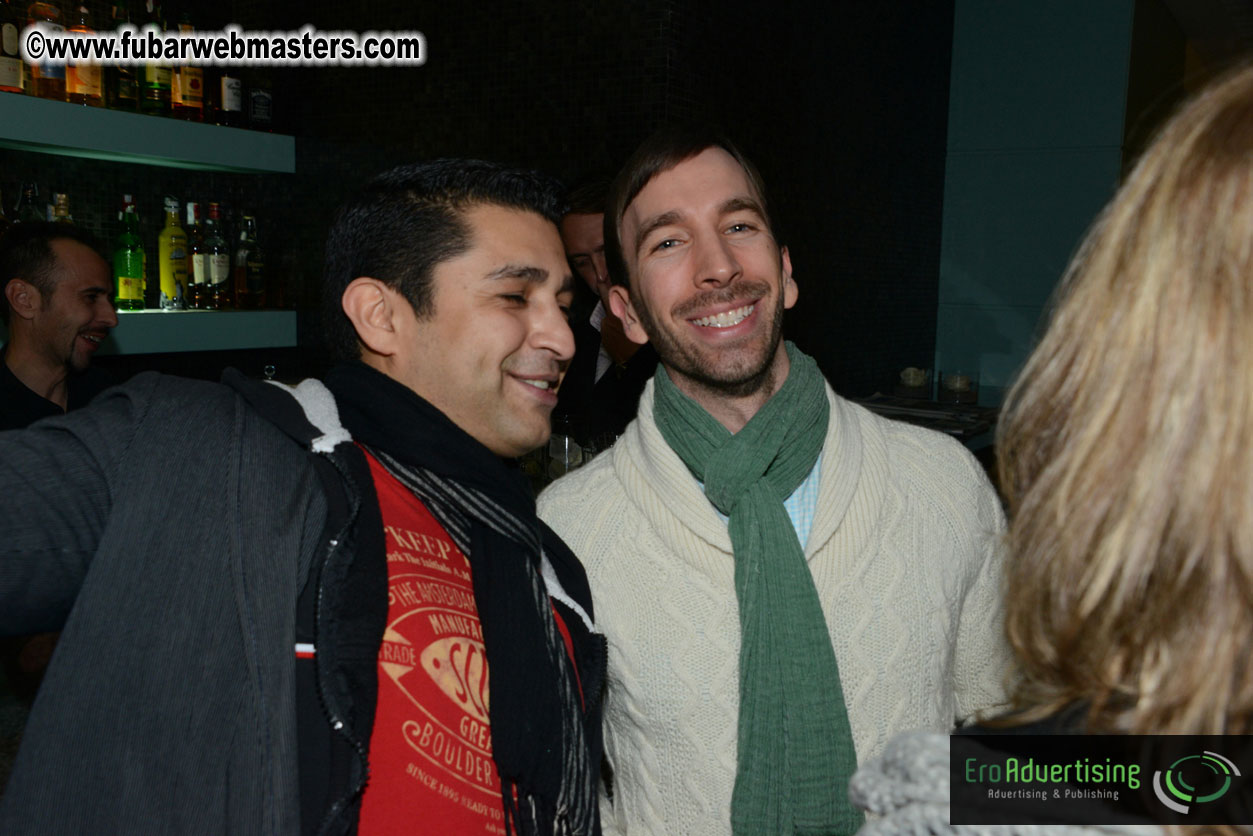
249,267
12,70
27,208
217,258
61,208
197,275
260,103
82,81
154,83
226,95
187,85
129,260
121,84
47,79
172,260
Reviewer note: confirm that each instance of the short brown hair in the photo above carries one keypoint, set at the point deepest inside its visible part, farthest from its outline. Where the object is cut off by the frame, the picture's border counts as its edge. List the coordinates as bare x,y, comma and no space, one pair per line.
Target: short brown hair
661,152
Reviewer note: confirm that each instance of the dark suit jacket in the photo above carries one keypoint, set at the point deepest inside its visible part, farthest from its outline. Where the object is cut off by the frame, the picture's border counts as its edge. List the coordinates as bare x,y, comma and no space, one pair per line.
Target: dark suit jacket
596,409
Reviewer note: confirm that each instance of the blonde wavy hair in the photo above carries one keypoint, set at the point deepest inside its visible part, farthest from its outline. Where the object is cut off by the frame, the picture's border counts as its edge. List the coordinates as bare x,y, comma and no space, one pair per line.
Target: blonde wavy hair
1126,448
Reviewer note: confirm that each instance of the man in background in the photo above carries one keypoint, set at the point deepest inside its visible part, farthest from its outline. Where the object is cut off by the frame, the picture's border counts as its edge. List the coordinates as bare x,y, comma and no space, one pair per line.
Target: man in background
602,389
58,307
784,579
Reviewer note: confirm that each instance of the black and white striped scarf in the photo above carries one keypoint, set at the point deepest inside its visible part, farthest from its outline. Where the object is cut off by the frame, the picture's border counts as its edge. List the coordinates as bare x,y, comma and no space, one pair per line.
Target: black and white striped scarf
548,779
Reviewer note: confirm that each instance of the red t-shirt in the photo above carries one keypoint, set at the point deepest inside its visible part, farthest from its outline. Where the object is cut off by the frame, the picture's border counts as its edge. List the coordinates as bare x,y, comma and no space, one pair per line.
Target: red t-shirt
431,767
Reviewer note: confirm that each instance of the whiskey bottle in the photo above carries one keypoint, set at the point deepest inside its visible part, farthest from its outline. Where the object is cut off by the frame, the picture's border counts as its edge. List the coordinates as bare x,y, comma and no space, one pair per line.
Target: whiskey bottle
61,208
12,70
227,96
217,258
82,81
187,85
172,260
47,79
27,208
121,84
129,260
260,103
197,284
154,84
249,267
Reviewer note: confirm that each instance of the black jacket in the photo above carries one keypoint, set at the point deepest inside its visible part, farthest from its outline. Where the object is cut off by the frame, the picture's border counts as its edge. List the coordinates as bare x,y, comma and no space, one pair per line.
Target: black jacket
186,535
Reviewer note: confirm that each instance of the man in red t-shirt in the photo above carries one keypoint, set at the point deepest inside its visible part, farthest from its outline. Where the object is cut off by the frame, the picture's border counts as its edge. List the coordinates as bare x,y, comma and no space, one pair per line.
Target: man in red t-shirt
479,726
356,622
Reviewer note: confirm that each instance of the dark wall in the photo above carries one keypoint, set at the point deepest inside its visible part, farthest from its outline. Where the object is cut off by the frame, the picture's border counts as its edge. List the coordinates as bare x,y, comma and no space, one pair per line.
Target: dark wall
843,105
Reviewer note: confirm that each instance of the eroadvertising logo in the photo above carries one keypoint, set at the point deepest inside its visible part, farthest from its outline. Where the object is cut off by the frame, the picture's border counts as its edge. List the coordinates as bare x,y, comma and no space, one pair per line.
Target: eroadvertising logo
1210,775
1099,779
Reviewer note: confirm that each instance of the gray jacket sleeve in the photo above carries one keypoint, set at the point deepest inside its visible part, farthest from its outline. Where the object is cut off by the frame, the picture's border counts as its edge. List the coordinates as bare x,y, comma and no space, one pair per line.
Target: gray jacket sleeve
57,480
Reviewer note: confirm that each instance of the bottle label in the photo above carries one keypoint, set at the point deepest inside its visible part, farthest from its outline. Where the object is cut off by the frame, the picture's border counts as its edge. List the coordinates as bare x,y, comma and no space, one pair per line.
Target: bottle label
232,94
199,270
260,107
127,85
83,79
173,254
128,272
219,269
254,277
130,287
46,69
11,73
8,39
156,76
189,91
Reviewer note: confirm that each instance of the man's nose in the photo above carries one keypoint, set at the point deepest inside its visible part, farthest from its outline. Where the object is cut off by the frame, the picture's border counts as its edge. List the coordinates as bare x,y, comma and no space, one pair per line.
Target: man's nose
716,263
598,264
551,331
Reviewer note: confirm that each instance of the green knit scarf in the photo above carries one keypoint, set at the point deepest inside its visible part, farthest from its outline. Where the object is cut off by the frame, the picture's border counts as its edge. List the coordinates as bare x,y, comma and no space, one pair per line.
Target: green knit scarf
795,753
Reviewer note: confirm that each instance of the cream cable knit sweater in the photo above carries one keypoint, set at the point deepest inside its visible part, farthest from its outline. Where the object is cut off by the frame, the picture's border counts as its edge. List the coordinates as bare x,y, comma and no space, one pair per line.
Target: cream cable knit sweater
906,558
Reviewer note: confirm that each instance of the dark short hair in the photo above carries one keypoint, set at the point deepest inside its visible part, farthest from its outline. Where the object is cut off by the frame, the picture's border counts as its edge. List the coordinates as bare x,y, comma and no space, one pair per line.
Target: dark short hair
407,220
26,254
662,151
589,197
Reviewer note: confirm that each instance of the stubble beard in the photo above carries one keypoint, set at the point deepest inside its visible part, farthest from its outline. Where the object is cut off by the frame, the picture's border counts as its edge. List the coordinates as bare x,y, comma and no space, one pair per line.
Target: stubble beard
712,369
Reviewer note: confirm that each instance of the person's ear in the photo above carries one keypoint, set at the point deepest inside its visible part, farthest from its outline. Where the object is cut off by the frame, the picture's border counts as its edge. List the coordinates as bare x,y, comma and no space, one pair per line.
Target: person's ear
371,307
24,298
620,305
790,291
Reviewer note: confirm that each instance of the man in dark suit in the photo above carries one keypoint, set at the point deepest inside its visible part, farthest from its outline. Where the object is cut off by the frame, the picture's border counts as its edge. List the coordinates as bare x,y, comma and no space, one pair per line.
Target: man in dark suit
602,388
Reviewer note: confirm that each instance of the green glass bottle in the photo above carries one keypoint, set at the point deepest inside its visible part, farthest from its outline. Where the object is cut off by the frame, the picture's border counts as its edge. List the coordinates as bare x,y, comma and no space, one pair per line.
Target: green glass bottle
128,260
156,79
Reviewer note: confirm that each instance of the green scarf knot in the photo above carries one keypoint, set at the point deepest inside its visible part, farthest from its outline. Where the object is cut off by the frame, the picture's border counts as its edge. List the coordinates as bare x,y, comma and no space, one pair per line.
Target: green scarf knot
795,748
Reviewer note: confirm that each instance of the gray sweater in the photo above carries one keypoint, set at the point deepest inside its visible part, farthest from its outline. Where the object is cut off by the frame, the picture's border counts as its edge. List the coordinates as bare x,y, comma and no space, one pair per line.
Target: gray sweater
906,791
166,529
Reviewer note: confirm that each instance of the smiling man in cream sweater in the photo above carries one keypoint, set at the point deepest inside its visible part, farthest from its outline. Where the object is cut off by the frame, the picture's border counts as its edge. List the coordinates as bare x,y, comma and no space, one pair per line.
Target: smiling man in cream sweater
784,579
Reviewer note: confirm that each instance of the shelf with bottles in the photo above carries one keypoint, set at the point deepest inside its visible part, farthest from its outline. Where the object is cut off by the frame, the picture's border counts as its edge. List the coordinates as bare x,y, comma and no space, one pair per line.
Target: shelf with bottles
32,124
61,109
